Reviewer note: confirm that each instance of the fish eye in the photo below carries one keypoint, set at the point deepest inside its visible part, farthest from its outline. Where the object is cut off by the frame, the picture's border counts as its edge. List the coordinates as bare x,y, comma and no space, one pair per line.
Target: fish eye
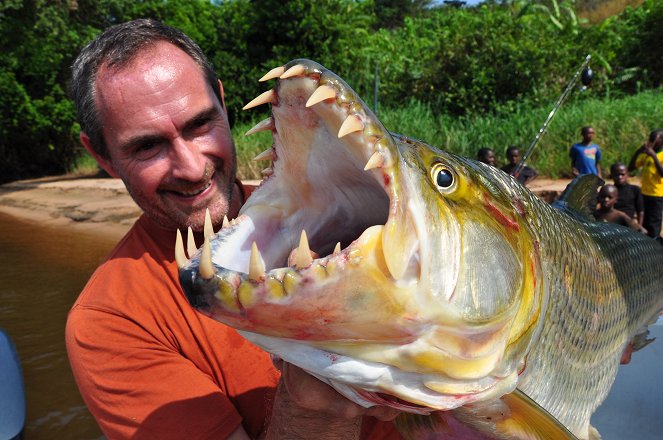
443,177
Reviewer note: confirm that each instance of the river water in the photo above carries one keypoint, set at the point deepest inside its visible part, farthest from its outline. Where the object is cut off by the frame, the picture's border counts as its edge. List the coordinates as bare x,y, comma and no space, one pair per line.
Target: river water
42,270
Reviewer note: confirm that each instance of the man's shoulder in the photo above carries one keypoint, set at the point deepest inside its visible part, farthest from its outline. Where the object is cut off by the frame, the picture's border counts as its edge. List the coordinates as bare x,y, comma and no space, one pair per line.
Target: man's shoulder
134,269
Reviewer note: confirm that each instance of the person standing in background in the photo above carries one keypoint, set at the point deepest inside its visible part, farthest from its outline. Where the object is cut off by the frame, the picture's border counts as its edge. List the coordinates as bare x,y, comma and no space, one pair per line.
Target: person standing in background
585,155
526,174
649,157
629,199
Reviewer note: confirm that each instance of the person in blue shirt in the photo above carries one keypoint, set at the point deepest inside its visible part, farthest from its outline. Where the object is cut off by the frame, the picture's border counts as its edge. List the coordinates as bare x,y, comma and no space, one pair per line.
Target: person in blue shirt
585,155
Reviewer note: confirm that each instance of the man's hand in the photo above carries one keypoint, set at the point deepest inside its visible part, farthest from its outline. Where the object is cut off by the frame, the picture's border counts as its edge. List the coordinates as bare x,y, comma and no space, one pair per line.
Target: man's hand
306,408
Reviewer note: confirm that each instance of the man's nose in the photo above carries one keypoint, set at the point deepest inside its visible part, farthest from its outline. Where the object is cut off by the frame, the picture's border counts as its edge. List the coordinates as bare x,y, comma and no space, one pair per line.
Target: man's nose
187,161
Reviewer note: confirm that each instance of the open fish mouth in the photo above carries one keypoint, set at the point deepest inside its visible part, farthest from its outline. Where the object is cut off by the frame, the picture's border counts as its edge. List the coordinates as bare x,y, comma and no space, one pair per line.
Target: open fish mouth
329,191
329,263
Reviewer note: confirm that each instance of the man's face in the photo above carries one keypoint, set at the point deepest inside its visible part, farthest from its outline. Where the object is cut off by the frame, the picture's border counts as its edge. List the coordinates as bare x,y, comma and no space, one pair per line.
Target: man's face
619,174
513,156
168,137
588,135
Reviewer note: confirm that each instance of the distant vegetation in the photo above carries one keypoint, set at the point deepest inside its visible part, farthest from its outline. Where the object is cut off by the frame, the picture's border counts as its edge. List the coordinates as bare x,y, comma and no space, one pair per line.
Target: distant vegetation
622,125
484,75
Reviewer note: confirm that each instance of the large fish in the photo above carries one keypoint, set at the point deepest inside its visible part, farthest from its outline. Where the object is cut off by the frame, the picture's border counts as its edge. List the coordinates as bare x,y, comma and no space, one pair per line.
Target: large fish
453,287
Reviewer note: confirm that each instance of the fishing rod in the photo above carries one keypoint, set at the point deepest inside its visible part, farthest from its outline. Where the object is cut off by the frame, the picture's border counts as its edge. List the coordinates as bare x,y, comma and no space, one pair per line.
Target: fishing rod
586,75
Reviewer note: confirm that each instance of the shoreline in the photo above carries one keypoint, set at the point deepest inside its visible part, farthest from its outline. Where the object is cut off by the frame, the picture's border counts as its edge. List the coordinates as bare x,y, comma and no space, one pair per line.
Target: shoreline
102,206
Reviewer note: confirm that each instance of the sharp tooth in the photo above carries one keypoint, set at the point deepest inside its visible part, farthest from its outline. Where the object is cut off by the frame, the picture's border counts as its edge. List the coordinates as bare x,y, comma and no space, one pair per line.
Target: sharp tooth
190,243
295,70
180,258
225,223
303,258
321,93
206,269
274,73
208,230
256,265
269,97
264,125
268,154
267,171
375,161
399,241
337,249
350,125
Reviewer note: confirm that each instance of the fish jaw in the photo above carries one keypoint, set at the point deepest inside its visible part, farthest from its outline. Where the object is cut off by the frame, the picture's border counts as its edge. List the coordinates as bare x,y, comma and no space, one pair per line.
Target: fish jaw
392,298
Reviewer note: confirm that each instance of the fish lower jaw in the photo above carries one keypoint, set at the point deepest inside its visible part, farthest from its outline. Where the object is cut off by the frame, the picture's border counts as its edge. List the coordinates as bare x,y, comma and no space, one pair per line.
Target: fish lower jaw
372,383
239,291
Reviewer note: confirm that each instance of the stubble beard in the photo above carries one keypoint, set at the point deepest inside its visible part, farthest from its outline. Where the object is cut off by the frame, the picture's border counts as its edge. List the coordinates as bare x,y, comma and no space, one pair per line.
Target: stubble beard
165,214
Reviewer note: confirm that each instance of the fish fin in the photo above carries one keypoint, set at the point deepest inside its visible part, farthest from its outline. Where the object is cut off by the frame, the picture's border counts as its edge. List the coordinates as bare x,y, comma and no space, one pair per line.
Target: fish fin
580,197
514,416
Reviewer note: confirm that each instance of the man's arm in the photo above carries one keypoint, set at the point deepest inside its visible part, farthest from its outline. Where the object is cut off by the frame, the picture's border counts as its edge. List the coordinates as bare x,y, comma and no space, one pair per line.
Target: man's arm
649,151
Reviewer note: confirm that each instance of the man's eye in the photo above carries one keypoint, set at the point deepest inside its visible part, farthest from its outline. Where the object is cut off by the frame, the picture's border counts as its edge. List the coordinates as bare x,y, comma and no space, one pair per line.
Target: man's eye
146,150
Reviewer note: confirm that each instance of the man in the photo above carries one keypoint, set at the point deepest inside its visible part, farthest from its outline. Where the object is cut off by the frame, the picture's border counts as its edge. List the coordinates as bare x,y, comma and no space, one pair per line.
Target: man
147,365
649,157
585,155
526,174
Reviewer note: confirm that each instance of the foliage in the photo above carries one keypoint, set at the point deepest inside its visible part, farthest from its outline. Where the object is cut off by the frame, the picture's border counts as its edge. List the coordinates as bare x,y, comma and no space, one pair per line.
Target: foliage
459,63
511,126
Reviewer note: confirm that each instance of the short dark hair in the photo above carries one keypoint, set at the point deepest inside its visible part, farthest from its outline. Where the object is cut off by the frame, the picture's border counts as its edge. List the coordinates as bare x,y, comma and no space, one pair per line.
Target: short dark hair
511,149
483,152
616,165
585,129
117,47
654,134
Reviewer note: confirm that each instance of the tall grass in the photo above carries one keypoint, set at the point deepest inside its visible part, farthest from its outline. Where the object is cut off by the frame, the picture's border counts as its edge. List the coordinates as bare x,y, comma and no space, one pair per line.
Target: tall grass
621,125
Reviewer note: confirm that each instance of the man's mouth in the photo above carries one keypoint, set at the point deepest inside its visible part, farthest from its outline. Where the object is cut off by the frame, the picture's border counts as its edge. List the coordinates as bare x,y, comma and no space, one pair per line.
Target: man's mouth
193,191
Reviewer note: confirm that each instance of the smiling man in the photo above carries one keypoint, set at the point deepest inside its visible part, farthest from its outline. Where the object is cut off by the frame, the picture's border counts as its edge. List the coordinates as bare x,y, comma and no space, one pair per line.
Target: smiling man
147,365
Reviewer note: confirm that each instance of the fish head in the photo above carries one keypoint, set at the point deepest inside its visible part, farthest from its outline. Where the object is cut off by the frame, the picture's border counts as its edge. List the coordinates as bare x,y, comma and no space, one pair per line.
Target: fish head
415,282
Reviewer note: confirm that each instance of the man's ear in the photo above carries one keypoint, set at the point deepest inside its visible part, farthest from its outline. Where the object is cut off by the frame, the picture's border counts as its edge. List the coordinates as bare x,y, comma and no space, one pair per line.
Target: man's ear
223,97
104,163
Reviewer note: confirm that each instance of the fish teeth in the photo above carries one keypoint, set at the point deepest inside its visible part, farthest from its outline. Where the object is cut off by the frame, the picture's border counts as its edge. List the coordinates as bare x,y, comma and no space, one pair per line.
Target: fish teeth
256,264
295,70
225,223
264,125
351,124
303,257
206,269
268,154
274,73
337,248
375,161
180,258
208,230
191,247
321,93
268,97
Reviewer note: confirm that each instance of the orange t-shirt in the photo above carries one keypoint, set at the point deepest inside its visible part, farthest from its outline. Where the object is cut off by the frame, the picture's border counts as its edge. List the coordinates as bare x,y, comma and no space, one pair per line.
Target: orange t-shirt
149,366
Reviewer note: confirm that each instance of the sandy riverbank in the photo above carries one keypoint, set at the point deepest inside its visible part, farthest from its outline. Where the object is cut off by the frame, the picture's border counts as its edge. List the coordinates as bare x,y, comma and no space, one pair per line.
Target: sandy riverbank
103,206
